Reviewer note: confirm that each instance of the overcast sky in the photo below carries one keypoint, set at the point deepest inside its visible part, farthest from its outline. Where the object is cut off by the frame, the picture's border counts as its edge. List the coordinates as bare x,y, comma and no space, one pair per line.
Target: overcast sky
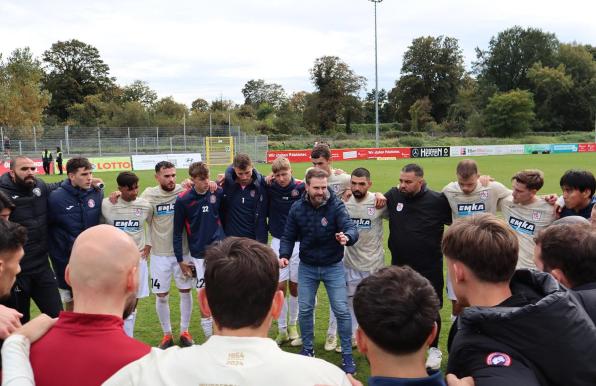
210,49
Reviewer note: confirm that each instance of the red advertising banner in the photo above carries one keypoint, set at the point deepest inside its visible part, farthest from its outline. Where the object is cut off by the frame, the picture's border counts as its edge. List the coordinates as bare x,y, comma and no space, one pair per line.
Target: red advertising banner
586,147
5,166
343,154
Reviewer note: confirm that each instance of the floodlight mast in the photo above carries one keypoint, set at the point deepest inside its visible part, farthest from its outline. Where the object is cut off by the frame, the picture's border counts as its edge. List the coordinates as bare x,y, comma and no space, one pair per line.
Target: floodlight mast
376,80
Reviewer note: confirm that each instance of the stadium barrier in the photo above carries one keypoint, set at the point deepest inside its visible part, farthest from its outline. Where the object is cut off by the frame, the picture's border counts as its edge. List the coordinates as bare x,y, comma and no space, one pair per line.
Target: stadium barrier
147,162
103,164
5,166
343,154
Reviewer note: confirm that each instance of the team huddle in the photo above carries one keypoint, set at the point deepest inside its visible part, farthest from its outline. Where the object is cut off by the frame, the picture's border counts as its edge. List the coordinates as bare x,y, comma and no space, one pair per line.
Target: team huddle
512,280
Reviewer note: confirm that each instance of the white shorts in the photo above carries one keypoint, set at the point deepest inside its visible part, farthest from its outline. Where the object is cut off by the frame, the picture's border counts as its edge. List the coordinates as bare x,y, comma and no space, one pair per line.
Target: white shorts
162,270
143,290
200,268
353,278
291,270
450,291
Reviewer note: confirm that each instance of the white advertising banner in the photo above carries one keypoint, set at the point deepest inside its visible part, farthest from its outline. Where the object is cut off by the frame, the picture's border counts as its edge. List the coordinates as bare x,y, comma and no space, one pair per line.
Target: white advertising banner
471,151
148,162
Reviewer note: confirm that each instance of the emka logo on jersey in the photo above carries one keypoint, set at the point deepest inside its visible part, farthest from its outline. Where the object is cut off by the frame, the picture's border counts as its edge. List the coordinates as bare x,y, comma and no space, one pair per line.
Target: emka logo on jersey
522,226
128,225
164,209
469,209
362,223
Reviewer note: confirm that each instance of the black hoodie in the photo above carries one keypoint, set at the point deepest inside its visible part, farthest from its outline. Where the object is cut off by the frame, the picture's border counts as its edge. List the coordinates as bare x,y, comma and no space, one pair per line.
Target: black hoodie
540,336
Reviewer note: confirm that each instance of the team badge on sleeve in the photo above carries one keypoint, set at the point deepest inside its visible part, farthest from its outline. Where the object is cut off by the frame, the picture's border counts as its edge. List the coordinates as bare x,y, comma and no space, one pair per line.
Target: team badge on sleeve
498,359
212,199
91,203
399,206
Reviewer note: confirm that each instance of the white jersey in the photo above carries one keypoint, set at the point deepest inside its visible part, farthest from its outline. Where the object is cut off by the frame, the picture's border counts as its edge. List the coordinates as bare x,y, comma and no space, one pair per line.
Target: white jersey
367,254
224,360
129,217
527,221
484,199
162,223
338,183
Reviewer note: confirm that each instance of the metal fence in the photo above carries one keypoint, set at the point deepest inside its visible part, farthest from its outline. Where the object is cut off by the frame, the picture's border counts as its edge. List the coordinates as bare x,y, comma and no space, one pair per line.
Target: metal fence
107,141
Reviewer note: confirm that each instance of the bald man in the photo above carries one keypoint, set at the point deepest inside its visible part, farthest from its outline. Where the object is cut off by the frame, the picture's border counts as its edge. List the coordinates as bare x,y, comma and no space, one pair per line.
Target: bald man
89,343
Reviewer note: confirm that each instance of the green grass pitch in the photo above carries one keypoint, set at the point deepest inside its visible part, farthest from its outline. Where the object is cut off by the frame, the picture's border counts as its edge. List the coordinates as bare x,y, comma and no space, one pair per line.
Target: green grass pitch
385,174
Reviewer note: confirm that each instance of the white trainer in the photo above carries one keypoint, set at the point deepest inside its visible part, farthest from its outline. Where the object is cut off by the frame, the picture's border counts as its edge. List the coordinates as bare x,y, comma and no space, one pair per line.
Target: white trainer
330,342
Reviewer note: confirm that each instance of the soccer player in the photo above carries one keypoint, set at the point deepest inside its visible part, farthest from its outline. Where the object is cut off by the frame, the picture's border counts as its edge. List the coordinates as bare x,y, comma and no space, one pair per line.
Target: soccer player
6,206
12,240
284,191
578,193
163,263
245,200
322,224
73,207
198,212
526,213
130,214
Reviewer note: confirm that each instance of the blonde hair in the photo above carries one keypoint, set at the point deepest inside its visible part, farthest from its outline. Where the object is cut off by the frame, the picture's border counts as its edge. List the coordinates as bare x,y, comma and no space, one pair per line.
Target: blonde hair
279,164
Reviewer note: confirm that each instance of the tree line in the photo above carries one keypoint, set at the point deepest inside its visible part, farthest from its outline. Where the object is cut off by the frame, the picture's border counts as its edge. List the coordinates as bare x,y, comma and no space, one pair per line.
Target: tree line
525,80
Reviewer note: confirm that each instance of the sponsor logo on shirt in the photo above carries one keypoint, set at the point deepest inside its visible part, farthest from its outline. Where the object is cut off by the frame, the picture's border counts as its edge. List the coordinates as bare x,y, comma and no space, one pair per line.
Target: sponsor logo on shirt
128,225
522,226
69,207
362,223
498,359
164,209
470,209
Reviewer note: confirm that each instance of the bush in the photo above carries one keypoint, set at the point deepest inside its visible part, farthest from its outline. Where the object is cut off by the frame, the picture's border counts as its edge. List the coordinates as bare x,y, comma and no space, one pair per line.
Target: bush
411,141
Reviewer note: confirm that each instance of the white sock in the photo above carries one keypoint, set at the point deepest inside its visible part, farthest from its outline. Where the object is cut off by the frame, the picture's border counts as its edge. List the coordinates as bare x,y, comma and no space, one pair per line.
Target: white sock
162,306
293,306
185,310
207,325
332,329
129,324
282,321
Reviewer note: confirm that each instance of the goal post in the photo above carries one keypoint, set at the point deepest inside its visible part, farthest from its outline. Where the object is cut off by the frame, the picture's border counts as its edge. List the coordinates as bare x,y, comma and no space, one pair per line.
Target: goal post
219,150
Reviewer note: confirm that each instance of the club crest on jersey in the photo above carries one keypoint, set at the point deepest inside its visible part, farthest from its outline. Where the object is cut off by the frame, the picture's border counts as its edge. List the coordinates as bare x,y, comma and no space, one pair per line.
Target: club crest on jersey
536,216
522,226
399,206
138,212
470,209
164,209
37,192
295,193
498,359
91,203
324,222
252,193
484,195
212,199
362,223
371,211
335,188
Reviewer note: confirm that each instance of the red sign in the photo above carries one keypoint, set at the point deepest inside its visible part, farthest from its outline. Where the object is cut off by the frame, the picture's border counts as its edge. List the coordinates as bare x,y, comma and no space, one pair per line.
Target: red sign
343,154
586,147
5,166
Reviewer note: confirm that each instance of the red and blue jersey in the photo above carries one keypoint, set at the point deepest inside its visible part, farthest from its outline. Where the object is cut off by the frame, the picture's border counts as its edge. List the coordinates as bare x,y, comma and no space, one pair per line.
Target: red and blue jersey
280,202
199,215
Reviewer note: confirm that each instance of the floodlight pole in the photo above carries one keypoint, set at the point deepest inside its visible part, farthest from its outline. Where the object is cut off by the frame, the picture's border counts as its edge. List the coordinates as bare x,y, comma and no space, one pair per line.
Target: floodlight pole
376,80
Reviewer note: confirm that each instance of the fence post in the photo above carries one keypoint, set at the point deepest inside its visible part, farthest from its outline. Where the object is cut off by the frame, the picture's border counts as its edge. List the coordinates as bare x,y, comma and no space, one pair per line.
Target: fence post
184,133
66,140
61,146
157,140
128,139
171,150
210,128
2,137
99,140
34,140
137,145
20,148
254,156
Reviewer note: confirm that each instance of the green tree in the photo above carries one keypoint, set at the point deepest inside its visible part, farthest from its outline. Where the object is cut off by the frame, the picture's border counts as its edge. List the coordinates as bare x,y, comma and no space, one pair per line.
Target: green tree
510,113
420,113
264,110
222,105
369,107
334,81
139,91
432,67
257,92
551,88
199,104
74,71
22,100
512,53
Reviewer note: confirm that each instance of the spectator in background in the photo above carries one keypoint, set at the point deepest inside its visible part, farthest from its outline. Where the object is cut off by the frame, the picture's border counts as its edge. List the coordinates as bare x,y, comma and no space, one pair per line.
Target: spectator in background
59,159
578,193
46,159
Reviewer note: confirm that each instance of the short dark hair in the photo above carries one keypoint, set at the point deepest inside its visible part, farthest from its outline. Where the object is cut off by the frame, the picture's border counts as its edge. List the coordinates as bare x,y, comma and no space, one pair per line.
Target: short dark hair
485,244
396,308
413,168
570,248
198,169
533,179
13,161
361,172
242,161
76,163
163,165
5,202
127,179
580,180
467,168
315,173
321,150
241,277
12,236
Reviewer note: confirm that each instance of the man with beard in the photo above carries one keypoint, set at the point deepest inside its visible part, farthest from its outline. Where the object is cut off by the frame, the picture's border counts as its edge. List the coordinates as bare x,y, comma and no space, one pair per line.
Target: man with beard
417,216
163,262
90,341
36,280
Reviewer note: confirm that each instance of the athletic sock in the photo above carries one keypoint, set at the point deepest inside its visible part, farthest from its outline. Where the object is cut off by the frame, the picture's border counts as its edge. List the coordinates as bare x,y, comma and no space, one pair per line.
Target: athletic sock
207,325
129,324
162,306
332,329
282,321
185,310
293,306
